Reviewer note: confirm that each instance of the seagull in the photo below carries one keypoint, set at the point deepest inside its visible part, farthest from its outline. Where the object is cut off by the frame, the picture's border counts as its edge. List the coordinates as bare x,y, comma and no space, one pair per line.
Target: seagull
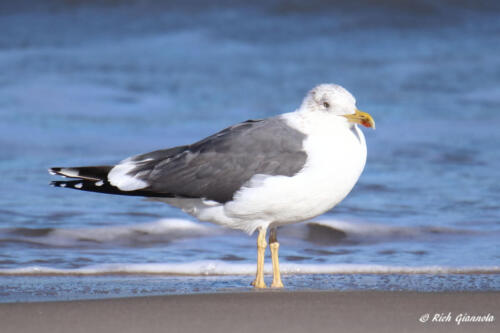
253,176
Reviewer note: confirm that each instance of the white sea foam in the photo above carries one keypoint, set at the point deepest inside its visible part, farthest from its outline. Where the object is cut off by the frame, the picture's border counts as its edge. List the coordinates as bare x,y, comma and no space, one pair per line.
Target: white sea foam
355,228
213,268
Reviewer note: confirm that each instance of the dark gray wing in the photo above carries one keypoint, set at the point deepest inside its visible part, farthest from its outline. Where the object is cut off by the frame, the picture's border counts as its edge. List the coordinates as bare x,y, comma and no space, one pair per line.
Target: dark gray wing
216,168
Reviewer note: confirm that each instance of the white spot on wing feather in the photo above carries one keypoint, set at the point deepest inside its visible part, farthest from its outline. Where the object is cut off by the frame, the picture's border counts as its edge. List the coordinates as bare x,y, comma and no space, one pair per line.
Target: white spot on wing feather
69,173
79,185
119,177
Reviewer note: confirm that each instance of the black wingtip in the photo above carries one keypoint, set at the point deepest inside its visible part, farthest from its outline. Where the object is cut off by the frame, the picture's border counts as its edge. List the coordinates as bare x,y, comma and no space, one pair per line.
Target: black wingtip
101,186
54,171
58,183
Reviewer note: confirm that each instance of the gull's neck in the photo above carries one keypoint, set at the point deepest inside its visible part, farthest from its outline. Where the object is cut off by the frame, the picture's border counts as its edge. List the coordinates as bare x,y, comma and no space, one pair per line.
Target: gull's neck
316,122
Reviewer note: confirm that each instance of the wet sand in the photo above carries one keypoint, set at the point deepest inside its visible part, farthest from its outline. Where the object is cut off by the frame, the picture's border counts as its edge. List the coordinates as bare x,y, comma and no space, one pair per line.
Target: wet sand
266,311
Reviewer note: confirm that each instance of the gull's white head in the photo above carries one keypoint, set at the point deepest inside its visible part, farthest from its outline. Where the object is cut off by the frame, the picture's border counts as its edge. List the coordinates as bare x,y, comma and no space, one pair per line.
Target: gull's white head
336,100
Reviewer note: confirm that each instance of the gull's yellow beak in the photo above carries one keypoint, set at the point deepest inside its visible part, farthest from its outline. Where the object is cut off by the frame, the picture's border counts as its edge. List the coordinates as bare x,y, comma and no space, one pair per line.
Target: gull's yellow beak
360,117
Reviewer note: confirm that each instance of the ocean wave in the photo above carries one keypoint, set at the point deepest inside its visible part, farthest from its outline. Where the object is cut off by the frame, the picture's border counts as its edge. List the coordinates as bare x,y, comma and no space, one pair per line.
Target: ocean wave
345,232
161,231
214,268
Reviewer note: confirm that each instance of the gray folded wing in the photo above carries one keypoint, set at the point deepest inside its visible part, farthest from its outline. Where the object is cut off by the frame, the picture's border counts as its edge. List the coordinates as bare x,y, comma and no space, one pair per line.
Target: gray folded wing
217,167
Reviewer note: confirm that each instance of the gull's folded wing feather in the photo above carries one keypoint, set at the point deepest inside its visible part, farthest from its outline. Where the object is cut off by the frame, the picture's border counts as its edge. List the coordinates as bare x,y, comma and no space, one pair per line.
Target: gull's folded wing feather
217,167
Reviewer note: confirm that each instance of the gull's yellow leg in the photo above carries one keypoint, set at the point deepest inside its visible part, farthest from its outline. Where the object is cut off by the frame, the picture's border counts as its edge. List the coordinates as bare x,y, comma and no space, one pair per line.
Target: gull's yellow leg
274,245
261,250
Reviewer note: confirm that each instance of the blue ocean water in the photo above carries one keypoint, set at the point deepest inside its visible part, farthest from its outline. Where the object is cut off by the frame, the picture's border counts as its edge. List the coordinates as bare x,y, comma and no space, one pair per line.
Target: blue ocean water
88,84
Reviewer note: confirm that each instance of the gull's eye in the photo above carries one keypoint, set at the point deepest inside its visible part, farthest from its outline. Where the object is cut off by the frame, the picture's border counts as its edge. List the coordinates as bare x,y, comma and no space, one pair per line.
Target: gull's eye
326,105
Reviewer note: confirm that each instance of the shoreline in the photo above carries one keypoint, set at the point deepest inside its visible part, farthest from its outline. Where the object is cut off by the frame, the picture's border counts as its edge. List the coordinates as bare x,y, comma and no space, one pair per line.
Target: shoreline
255,311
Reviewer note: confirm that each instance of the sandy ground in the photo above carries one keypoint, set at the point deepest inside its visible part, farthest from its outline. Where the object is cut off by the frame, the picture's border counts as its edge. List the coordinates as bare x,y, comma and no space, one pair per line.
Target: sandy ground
267,311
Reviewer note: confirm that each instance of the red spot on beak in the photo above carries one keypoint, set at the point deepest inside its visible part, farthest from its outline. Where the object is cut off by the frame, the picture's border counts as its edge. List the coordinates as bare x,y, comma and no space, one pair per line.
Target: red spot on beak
366,123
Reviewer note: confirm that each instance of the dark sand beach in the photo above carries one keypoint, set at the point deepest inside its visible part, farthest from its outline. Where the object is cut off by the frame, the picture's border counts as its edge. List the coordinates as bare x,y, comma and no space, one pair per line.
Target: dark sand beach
267,311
